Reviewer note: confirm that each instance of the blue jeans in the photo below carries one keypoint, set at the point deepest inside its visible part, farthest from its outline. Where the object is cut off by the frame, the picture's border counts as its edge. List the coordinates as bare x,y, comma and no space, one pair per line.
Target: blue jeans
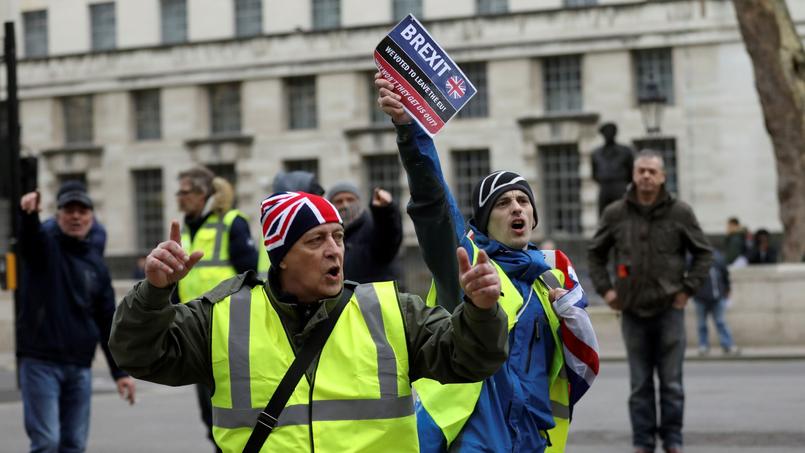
56,402
716,310
655,343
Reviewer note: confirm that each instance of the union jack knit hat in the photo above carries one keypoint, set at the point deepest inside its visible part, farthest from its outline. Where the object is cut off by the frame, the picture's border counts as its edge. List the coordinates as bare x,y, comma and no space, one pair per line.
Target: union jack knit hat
488,190
286,216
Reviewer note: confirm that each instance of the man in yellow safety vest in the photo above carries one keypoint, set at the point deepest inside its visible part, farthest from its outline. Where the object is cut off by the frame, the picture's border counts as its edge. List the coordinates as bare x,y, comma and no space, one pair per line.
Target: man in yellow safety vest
222,234
242,337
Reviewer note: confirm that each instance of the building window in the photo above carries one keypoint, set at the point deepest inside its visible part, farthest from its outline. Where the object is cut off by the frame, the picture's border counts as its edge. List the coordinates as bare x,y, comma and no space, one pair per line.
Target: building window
35,25
478,106
667,148
383,171
226,171
224,108
561,80
102,16
77,114
469,166
326,14
376,115
578,3
147,114
492,6
148,206
654,66
174,21
308,165
300,97
248,17
402,8
561,188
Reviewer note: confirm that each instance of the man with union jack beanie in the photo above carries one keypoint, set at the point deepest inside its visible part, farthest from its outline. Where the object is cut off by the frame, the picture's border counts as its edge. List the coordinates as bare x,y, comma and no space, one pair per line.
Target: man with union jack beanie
241,337
526,405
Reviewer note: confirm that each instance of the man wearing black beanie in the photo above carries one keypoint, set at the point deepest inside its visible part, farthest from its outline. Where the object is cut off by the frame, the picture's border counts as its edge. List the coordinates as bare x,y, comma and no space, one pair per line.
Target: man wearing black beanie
526,405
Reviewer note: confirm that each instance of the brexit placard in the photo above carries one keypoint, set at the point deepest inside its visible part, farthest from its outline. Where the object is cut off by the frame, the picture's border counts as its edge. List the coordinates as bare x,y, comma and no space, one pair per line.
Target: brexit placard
432,86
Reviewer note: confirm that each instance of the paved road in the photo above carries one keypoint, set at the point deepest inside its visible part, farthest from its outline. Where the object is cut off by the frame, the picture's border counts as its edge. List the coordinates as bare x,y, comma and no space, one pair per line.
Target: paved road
739,406
731,406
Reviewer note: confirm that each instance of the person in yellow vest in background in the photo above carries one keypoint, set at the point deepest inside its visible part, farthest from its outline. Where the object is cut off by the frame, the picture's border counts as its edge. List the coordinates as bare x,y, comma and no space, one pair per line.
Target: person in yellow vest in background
526,406
241,338
222,234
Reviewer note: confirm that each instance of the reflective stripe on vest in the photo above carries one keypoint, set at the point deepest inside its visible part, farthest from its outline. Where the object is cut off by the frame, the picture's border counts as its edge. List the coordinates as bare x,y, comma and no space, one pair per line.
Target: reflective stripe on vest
450,406
212,238
361,395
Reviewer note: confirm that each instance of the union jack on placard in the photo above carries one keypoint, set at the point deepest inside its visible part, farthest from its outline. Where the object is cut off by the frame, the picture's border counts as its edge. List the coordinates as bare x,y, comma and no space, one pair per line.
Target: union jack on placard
456,87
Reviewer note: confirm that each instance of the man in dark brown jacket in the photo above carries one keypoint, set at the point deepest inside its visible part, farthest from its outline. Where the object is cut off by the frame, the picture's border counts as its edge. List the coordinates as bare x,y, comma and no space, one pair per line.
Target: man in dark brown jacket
651,233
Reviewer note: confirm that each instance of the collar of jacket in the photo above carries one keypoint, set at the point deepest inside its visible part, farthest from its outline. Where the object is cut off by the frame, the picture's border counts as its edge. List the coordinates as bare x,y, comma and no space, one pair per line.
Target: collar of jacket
288,303
664,199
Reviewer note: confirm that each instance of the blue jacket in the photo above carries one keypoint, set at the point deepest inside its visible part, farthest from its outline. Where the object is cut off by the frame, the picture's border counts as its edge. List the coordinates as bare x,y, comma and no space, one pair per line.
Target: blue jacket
514,404
66,299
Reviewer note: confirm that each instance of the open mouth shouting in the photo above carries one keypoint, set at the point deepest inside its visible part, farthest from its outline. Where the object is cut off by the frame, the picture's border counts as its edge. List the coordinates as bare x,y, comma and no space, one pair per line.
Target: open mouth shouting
333,273
518,226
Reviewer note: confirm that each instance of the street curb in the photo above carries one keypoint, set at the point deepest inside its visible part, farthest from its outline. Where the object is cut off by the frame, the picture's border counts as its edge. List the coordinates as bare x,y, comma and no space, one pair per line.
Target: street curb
691,355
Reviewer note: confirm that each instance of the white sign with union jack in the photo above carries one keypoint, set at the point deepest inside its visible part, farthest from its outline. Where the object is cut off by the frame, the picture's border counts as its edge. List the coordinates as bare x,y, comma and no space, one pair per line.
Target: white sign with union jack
432,86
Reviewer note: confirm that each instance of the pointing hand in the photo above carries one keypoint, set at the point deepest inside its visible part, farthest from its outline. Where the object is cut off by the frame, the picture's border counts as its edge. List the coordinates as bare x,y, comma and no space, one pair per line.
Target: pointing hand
480,282
168,262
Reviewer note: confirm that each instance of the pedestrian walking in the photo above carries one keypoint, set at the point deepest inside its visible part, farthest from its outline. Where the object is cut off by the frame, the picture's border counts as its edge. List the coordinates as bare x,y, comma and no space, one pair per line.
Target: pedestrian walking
213,227
651,232
711,302
66,308
372,237
736,243
359,346
553,359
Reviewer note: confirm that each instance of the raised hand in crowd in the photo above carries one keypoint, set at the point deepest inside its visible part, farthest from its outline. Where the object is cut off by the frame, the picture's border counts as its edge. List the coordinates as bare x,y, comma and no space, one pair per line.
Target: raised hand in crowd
381,198
168,262
389,101
480,282
30,202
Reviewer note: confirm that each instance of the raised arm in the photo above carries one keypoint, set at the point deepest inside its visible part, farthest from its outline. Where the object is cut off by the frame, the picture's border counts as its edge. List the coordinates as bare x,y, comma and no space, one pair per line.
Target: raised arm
155,340
468,346
437,220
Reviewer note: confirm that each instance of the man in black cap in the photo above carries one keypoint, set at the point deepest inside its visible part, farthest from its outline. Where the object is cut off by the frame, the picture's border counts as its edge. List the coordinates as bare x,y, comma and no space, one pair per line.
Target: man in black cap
66,309
97,233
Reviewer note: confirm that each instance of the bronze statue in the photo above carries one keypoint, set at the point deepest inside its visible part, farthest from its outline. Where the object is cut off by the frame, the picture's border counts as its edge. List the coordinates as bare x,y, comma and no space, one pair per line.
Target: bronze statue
612,167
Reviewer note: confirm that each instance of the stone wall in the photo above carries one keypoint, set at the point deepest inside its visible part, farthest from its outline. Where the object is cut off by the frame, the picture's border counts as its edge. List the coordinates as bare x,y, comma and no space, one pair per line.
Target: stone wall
768,309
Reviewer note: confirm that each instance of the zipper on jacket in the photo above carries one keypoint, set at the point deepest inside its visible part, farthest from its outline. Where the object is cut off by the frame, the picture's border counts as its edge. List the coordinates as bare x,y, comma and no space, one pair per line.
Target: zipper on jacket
534,339
310,412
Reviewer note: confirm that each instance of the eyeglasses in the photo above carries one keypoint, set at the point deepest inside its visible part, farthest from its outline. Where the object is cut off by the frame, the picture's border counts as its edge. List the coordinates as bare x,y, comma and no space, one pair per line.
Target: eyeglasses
182,192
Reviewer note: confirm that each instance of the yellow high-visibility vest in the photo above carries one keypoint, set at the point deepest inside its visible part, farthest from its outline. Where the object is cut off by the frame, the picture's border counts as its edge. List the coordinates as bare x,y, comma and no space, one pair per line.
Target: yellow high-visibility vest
451,405
212,238
360,399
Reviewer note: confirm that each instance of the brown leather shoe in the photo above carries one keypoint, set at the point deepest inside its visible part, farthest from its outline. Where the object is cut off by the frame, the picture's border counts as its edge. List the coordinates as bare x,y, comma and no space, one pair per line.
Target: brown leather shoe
642,450
673,450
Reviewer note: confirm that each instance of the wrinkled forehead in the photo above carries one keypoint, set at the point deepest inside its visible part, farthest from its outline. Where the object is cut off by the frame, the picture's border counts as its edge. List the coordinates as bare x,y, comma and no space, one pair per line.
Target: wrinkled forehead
327,228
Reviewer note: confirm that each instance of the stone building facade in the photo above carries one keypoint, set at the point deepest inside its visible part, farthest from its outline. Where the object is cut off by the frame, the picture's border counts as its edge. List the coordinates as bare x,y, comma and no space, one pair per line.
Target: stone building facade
125,94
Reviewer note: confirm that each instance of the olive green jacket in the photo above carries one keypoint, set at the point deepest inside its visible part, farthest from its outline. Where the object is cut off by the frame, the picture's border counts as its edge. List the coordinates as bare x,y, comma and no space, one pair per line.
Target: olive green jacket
160,342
